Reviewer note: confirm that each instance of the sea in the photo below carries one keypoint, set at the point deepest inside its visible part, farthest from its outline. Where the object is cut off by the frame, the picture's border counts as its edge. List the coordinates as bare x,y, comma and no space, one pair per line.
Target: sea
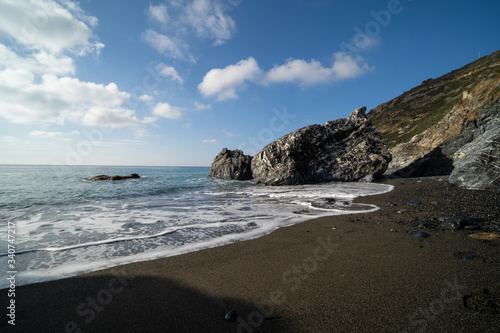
55,223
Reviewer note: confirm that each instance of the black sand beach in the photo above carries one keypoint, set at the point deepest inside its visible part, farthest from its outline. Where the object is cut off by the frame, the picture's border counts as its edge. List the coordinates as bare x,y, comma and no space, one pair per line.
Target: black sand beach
351,273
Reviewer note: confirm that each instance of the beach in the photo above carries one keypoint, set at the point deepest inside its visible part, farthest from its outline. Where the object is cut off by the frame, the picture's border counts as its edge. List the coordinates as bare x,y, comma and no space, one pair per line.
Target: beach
346,273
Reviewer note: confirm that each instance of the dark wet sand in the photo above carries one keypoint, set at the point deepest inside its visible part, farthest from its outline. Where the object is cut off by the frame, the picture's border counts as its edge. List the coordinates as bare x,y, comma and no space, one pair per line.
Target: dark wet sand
351,273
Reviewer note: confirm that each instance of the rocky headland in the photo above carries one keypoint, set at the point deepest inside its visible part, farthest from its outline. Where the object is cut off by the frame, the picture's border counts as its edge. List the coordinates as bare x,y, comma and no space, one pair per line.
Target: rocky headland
427,125
445,126
341,150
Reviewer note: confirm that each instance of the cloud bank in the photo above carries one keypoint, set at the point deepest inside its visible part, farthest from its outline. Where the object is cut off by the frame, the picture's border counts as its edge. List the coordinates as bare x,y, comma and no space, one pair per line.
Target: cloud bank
36,86
225,82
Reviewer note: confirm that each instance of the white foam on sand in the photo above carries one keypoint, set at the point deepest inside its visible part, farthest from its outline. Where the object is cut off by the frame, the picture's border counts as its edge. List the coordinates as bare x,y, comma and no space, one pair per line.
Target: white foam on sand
116,233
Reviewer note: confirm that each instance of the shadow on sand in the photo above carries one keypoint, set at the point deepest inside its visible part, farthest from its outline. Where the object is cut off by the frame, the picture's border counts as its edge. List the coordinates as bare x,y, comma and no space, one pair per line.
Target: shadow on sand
121,303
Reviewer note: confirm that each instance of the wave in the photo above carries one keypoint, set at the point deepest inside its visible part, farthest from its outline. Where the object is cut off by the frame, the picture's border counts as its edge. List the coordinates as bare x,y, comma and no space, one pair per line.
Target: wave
107,241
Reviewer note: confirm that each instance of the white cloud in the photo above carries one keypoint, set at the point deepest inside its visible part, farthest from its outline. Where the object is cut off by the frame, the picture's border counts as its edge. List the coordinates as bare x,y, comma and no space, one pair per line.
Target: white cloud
55,100
228,134
180,20
51,135
46,135
364,42
49,26
165,110
10,139
38,63
348,67
158,13
146,98
169,71
208,19
200,106
211,141
224,82
311,73
113,117
299,70
35,86
170,47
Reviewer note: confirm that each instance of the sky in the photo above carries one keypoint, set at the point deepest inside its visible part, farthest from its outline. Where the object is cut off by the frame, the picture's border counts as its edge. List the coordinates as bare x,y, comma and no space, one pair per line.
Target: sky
171,83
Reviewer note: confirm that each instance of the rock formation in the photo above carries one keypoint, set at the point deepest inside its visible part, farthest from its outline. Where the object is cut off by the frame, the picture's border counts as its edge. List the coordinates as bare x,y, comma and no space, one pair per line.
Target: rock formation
477,163
110,178
231,165
417,124
341,150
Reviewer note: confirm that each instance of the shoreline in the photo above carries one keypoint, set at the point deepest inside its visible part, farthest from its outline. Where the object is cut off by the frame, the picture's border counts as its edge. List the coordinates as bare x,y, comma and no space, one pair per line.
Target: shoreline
345,273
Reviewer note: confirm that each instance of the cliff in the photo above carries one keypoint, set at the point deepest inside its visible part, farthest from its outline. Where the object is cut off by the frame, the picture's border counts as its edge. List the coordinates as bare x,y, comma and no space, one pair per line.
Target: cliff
416,123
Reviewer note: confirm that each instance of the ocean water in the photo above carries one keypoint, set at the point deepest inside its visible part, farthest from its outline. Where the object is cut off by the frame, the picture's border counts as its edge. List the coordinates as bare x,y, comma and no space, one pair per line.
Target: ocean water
65,225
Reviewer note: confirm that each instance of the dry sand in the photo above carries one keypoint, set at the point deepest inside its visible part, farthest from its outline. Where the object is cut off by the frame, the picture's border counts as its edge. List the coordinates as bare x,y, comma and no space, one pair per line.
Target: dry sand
351,273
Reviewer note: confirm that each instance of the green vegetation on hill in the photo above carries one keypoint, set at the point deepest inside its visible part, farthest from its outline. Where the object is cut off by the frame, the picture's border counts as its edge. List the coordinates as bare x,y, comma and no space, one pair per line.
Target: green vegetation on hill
423,106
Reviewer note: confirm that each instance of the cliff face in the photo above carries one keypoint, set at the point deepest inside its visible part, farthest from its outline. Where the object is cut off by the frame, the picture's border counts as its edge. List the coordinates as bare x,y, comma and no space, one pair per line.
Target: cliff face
417,122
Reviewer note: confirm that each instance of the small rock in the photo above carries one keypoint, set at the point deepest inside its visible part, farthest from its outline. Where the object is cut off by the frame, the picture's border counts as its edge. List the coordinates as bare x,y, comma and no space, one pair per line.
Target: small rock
435,203
402,211
470,257
413,202
424,225
486,236
231,315
473,220
251,224
472,227
419,234
453,224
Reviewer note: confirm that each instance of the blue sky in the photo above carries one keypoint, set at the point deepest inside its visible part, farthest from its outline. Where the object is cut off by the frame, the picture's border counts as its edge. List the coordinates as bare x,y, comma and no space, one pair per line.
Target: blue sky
173,82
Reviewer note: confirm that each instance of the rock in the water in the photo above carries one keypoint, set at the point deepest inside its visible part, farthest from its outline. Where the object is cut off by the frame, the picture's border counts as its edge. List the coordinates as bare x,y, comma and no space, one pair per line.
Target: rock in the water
341,150
106,177
477,164
231,165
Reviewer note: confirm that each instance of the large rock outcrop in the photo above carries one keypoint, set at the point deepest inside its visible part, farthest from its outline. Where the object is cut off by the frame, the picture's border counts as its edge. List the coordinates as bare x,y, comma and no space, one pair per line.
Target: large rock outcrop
231,165
341,150
477,161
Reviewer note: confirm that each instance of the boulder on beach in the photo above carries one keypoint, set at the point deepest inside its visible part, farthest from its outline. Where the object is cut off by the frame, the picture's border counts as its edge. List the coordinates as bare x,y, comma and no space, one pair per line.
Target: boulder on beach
341,150
106,177
231,165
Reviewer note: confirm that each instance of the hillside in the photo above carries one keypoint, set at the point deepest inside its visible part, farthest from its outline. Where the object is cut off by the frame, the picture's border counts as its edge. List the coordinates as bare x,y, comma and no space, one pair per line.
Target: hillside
419,120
